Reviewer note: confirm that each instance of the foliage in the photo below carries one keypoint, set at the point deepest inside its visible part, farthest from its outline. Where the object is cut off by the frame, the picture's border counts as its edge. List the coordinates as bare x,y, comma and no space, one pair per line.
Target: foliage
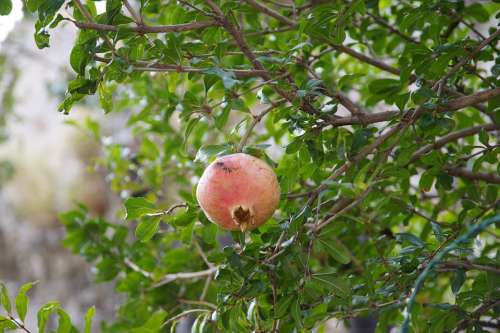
379,117
10,322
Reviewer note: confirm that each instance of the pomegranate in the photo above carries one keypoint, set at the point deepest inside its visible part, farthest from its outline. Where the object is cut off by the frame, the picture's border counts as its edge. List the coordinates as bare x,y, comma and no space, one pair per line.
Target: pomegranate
238,192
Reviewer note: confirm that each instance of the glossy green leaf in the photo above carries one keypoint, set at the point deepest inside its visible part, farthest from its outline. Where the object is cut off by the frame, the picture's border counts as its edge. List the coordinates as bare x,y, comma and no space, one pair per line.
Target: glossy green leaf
337,250
147,228
4,297
5,7
88,320
22,300
138,207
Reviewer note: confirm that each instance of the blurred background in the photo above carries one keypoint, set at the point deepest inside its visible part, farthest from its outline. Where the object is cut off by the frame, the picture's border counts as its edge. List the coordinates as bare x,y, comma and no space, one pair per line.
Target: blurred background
45,170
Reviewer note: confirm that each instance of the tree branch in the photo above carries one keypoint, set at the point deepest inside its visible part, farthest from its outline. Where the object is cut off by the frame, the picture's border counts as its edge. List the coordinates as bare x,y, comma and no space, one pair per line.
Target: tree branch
470,266
256,120
368,118
170,210
183,276
242,44
476,315
145,28
137,18
344,207
154,67
136,268
464,173
20,325
453,136
90,20
396,71
469,100
268,11
183,314
387,25
366,59
462,62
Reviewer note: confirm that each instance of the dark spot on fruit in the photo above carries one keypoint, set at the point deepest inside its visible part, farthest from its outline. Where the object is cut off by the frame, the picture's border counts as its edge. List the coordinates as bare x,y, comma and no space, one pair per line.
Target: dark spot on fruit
224,167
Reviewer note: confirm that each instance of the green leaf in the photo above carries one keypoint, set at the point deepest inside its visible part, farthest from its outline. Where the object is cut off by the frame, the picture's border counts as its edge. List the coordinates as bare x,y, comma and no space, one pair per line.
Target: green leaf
6,323
296,313
105,97
411,238
294,146
5,299
478,12
189,128
458,281
44,313
484,138
427,179
339,285
79,59
346,80
384,86
336,250
5,7
113,8
137,207
283,306
205,153
153,324
228,78
42,39
33,5
438,232
22,301
64,325
149,149
88,320
147,228
223,116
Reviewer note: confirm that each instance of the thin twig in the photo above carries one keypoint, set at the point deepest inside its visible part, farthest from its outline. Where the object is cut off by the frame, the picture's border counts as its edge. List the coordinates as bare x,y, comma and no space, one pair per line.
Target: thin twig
469,265
169,211
243,93
205,287
183,276
146,29
462,62
391,28
476,315
450,137
20,325
492,178
393,70
193,302
137,18
90,20
201,253
183,314
256,120
136,268
239,39
155,67
271,12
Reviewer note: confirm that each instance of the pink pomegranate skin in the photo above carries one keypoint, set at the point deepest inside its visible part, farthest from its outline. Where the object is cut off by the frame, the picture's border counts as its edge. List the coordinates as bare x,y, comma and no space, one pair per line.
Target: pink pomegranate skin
238,192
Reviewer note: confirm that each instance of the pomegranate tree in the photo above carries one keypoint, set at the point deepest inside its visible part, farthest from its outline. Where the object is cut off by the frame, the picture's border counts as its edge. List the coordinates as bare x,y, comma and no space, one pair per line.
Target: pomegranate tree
238,192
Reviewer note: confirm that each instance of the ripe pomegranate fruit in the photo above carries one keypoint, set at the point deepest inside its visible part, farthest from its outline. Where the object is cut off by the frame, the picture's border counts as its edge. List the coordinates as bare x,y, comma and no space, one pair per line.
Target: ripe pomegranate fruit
238,192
